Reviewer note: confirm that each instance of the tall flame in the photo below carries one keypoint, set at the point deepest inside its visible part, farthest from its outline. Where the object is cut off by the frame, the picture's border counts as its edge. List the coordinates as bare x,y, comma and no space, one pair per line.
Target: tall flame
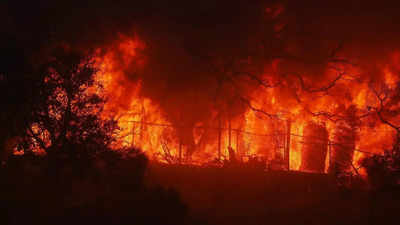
144,124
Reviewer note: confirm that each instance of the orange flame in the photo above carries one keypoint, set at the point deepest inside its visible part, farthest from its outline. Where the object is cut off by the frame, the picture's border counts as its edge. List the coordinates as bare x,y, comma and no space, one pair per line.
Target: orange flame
144,125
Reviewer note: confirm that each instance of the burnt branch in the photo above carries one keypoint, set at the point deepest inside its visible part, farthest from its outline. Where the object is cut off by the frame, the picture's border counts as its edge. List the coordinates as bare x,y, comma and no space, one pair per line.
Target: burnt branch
327,115
334,117
382,97
248,104
258,80
326,88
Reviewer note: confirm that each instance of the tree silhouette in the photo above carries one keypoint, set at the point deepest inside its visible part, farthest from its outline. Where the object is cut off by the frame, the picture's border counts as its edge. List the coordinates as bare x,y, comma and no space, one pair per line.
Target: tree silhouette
18,89
384,170
66,119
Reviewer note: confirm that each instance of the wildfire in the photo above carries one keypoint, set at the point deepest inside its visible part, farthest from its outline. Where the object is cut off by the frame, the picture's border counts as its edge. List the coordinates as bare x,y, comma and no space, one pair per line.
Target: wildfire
144,124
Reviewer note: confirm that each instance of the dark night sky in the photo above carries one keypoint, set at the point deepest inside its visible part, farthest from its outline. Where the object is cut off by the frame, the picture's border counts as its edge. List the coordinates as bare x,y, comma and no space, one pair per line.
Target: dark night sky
186,32
197,23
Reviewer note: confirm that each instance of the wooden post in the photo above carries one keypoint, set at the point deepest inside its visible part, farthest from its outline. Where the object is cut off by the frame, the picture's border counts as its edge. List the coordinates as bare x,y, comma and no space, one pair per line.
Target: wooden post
133,134
230,132
329,156
219,138
287,146
180,151
237,145
142,123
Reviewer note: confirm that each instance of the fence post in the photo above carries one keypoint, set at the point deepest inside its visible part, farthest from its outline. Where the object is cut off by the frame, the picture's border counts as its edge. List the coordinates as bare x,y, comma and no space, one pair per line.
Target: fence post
219,138
287,146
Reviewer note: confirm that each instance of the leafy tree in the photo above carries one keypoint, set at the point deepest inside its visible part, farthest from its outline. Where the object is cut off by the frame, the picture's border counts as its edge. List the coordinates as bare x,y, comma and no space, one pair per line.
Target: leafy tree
66,120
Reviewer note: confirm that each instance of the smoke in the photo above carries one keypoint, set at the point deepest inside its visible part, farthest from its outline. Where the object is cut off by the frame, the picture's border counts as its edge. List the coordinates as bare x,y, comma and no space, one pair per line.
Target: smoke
193,47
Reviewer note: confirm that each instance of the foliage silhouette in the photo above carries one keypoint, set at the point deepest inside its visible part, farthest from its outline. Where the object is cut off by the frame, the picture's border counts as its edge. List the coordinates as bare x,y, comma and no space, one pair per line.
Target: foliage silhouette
53,108
384,170
68,110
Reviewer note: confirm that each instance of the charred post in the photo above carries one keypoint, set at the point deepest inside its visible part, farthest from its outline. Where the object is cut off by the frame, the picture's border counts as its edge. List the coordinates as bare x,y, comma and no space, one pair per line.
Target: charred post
133,134
180,151
219,138
287,144
237,145
230,133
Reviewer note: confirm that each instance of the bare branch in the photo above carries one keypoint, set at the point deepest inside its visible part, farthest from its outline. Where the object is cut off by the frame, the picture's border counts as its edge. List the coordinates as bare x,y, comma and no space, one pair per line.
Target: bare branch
248,103
258,80
322,89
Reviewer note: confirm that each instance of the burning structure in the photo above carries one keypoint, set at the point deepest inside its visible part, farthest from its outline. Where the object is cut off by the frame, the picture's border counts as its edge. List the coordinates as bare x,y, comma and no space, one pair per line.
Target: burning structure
198,125
260,87
213,93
